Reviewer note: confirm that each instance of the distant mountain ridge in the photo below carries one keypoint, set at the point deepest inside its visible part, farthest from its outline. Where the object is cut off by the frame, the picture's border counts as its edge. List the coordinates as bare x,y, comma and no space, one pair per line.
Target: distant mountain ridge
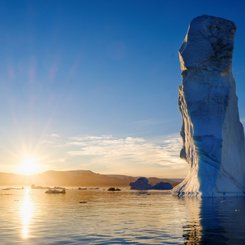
83,178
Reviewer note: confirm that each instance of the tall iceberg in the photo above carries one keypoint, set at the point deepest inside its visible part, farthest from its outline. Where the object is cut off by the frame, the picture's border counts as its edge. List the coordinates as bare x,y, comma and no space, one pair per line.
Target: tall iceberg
213,137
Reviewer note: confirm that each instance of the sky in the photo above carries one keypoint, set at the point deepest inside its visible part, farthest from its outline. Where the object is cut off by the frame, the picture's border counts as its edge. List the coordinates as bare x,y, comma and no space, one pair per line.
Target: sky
94,84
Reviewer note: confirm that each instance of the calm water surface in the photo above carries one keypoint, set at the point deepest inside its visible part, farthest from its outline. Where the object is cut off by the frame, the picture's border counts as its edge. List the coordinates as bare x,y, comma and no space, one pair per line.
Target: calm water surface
127,217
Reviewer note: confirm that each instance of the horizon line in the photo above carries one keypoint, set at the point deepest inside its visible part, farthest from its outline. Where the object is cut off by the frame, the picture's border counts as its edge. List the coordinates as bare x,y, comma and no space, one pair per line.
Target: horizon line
73,170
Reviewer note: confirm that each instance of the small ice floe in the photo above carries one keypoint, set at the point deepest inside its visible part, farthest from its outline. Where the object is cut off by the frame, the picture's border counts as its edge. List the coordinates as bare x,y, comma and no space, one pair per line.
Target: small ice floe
113,189
13,188
56,190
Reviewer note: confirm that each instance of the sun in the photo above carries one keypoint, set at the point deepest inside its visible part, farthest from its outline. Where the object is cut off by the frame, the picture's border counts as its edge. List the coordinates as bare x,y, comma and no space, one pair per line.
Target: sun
29,165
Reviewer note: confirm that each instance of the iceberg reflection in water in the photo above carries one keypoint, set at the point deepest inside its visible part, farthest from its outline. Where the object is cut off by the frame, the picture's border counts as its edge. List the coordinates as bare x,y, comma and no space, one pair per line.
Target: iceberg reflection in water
216,221
126,217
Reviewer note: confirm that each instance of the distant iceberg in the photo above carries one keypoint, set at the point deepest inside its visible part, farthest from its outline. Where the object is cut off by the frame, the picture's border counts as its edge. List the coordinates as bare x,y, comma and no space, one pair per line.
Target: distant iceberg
142,183
56,190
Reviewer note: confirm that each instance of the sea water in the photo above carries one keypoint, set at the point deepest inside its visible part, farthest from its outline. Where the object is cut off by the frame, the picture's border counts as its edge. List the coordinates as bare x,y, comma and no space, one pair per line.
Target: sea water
31,216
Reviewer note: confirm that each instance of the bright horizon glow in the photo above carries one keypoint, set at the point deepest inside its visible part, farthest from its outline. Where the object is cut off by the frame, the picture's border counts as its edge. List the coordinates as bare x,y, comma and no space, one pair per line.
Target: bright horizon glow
29,165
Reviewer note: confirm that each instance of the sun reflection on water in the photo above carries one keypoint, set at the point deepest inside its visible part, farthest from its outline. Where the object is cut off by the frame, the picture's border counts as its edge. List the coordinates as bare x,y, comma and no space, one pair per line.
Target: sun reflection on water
26,211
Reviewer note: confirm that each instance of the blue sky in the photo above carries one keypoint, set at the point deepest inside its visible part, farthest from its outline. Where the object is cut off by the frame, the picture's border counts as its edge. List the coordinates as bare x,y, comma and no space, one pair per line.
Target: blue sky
102,73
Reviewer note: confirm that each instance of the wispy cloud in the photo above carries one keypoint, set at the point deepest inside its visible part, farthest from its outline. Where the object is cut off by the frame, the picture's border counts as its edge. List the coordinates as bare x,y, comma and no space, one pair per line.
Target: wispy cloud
54,135
129,153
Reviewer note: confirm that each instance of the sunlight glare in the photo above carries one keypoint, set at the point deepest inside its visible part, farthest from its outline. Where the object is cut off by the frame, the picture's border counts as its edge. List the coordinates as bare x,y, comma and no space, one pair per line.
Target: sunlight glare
29,165
26,214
